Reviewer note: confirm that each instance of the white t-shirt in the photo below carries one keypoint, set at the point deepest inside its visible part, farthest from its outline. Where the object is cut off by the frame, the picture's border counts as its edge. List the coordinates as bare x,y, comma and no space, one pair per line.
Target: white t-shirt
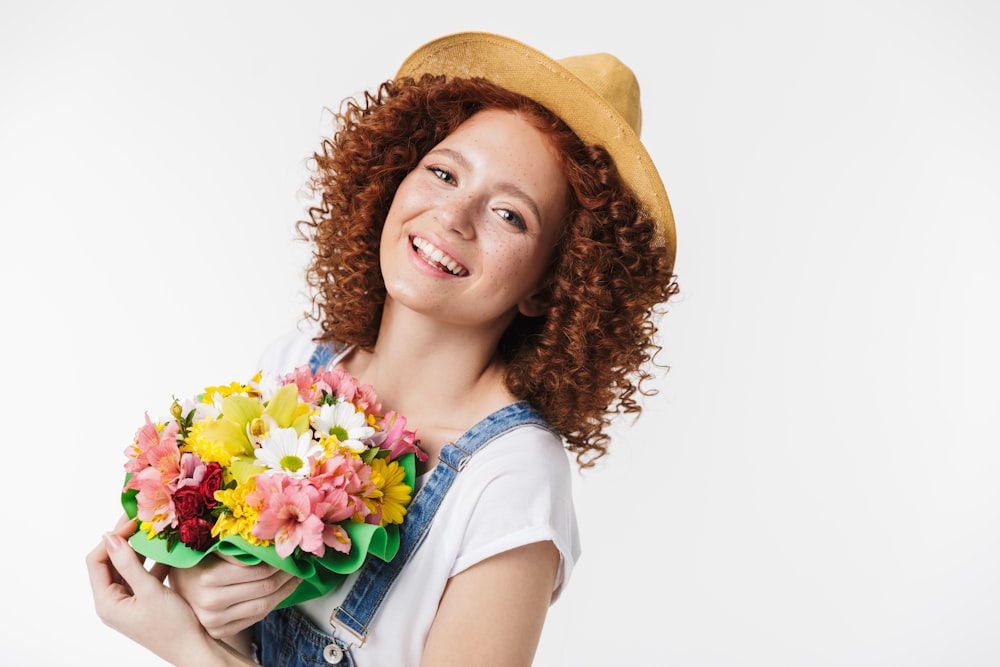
515,491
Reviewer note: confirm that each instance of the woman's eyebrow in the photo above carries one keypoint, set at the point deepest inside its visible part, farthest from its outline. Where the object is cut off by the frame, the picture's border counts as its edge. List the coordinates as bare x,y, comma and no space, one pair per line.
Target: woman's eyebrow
505,186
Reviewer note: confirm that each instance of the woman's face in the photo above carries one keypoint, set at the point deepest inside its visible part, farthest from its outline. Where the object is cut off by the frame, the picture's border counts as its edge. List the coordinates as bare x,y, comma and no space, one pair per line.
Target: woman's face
471,230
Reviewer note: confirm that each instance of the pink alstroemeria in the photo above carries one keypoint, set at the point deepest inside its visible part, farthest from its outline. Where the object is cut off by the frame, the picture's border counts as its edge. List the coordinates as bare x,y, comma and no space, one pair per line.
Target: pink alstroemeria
339,383
147,437
287,514
397,439
335,537
336,505
366,399
162,463
305,381
154,501
343,481
336,382
343,472
191,470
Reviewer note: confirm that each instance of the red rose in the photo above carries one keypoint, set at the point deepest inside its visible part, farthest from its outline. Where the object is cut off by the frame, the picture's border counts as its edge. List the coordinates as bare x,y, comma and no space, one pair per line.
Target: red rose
188,503
211,483
196,533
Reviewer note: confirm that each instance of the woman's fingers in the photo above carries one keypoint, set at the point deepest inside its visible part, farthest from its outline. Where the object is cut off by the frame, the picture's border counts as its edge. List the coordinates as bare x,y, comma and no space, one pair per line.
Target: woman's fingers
240,616
228,595
127,564
136,603
125,526
104,579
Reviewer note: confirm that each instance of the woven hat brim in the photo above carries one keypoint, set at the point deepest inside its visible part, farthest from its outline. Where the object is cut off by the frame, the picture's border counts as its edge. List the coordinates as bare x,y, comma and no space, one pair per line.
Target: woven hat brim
522,69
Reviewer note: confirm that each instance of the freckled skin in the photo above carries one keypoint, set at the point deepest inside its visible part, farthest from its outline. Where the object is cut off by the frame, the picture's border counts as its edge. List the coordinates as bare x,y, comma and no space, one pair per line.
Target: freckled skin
491,196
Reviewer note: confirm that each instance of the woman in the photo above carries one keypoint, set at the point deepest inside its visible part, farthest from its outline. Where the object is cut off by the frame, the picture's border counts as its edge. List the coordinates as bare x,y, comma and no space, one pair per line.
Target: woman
491,241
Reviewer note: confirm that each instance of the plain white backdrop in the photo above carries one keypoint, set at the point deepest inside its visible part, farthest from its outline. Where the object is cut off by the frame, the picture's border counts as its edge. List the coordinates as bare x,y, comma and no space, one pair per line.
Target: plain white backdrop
816,483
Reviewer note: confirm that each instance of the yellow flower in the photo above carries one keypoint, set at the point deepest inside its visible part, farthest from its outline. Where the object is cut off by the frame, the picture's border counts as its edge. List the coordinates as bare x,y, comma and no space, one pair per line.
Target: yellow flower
147,527
392,493
233,388
240,518
331,447
209,450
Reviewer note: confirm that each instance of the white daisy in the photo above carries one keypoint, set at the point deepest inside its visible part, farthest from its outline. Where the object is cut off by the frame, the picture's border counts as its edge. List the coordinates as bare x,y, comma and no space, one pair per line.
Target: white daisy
345,423
284,450
203,411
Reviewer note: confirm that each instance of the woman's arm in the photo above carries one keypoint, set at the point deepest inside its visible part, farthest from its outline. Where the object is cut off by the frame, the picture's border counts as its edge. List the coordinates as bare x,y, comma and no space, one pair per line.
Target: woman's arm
137,604
492,614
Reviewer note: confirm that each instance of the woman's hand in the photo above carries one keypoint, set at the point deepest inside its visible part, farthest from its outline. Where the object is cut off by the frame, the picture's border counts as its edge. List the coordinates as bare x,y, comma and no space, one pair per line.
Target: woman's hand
228,596
137,604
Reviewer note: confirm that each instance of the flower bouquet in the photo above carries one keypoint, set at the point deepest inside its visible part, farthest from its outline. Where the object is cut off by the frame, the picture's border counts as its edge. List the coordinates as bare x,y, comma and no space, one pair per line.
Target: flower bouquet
301,471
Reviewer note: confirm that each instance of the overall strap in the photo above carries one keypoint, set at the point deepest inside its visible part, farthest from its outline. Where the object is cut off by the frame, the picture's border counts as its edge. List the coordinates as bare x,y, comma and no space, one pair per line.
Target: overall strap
325,353
377,577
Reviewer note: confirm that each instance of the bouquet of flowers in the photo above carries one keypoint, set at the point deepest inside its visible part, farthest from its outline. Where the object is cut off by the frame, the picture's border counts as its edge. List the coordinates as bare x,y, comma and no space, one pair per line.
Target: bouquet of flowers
301,471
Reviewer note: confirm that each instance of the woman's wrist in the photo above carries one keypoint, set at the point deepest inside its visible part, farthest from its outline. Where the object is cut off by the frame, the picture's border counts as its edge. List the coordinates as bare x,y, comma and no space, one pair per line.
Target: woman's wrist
208,652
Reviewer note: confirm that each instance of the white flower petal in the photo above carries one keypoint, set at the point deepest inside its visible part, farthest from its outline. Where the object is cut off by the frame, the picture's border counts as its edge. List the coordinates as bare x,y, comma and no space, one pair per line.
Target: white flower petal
285,442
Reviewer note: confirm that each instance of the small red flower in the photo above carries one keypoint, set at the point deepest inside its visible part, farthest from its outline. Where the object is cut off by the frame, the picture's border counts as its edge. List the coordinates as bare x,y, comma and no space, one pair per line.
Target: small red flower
211,483
196,533
189,503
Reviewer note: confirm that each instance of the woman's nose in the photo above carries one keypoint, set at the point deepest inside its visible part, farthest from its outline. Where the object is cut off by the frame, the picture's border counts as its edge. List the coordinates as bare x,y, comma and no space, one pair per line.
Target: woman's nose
459,215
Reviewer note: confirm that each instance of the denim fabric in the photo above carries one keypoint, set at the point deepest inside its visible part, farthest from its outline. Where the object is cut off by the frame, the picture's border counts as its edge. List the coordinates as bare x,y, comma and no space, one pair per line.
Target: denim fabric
287,639
322,354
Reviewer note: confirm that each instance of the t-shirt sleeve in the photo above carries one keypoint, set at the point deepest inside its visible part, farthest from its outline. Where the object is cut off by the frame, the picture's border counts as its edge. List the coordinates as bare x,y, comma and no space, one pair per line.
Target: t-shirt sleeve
287,352
520,490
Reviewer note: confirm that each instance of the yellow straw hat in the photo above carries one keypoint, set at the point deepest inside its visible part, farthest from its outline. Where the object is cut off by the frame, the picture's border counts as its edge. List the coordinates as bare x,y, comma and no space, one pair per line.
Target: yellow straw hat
596,95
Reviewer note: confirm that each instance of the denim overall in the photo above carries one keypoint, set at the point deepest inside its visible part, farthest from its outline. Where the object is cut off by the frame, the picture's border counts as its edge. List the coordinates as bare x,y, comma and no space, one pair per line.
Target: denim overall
286,638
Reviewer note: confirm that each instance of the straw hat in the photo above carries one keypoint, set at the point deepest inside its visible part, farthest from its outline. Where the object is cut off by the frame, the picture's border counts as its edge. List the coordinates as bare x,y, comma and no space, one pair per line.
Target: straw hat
596,95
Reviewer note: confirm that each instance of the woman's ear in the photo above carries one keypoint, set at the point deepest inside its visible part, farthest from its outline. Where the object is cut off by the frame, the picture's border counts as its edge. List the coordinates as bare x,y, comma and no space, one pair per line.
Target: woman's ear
535,305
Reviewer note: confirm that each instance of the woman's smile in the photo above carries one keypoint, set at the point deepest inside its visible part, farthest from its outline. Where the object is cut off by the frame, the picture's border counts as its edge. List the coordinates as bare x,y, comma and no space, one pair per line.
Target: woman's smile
437,258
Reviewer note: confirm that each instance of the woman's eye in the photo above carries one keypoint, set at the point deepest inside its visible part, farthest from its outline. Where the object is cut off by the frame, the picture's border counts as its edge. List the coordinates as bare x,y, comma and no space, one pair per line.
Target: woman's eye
511,217
442,174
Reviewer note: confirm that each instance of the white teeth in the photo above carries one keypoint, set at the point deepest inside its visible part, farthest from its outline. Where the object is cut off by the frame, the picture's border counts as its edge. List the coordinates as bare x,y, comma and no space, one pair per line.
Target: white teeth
438,256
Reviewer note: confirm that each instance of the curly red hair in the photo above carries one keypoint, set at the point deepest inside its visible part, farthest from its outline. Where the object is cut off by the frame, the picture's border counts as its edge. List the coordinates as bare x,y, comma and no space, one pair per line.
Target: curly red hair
586,359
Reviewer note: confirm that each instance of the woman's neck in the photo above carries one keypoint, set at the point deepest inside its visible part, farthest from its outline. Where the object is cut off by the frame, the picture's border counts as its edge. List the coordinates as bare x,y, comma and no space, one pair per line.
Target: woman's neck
442,378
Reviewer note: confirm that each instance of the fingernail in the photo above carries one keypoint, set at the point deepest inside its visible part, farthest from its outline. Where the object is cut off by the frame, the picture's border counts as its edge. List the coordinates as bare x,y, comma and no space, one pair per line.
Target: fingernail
112,541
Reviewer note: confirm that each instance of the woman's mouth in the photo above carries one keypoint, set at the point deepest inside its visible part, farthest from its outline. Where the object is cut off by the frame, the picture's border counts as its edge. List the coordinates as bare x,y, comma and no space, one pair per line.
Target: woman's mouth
437,257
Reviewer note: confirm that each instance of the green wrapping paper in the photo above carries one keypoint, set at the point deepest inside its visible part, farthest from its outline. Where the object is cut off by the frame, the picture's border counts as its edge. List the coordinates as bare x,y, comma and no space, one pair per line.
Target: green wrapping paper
319,574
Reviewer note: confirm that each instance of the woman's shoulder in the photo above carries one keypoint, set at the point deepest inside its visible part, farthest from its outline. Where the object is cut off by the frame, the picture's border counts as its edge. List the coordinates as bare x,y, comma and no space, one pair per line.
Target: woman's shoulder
531,452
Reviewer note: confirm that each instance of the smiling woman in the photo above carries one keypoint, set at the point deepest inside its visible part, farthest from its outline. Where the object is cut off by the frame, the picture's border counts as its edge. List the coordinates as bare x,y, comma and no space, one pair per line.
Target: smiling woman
491,245
490,201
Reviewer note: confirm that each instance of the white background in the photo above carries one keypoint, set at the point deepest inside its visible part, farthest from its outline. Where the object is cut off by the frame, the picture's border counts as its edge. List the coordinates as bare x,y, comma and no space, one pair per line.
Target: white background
818,481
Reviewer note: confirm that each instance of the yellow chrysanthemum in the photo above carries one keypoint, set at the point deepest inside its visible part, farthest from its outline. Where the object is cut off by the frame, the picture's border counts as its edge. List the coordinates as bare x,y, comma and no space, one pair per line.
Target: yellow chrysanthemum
240,518
392,493
209,450
331,445
249,389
